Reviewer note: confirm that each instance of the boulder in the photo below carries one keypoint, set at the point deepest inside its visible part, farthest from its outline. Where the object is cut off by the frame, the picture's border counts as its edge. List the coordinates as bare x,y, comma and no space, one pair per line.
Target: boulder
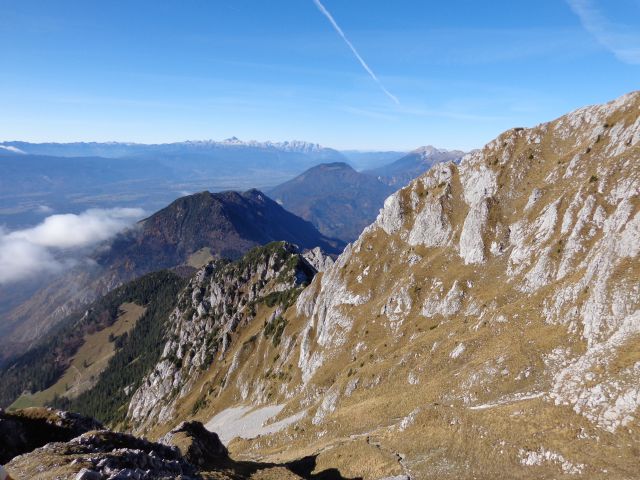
197,445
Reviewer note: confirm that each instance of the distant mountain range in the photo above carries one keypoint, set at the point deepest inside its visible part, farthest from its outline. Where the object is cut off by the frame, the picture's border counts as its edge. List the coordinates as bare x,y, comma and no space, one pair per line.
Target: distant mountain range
71,177
129,149
335,198
339,201
41,178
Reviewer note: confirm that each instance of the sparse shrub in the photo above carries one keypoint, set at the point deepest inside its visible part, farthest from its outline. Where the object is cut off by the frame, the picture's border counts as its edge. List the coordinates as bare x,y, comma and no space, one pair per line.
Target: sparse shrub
251,339
199,403
121,340
285,298
274,329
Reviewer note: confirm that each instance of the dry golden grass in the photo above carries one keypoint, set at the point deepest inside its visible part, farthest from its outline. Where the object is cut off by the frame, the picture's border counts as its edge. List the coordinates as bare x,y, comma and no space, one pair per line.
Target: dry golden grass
200,258
90,360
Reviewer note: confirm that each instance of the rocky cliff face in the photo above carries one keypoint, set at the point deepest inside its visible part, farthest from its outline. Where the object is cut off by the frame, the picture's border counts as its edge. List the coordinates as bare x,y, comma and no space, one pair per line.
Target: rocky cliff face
505,287
188,452
221,298
485,325
102,454
25,430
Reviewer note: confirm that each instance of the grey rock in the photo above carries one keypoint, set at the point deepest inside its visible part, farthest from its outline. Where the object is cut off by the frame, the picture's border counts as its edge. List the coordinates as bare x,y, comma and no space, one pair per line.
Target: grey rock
197,444
86,474
218,299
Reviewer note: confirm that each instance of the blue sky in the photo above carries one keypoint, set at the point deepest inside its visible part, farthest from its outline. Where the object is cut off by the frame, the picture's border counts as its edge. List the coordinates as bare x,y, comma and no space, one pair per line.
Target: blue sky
160,71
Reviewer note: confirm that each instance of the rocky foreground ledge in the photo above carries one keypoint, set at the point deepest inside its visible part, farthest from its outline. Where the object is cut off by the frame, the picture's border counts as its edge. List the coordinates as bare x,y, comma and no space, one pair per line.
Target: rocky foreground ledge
47,444
50,444
23,431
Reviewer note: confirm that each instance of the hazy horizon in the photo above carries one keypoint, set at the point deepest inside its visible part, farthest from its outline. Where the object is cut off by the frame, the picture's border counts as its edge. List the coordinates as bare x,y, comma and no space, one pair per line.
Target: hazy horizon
347,75
223,140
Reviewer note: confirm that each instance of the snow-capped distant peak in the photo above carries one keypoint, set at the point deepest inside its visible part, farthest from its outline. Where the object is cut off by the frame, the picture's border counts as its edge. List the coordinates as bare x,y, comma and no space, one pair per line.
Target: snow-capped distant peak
427,149
288,145
430,151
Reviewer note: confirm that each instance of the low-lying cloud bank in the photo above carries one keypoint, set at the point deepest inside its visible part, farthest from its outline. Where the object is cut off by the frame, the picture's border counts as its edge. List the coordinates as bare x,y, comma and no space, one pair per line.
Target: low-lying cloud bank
57,242
11,149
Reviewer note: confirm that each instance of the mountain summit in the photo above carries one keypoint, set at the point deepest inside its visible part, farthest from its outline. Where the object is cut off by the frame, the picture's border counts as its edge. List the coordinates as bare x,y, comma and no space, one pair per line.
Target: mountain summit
228,224
339,201
413,164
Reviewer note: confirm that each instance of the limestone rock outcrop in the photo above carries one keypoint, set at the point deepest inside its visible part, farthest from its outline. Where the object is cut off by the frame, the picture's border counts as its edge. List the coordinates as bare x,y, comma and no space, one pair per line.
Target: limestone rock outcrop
22,431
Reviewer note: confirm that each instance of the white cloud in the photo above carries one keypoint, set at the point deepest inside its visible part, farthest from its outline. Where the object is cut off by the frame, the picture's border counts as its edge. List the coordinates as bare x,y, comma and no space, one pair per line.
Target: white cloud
622,40
20,260
337,28
55,244
70,230
11,149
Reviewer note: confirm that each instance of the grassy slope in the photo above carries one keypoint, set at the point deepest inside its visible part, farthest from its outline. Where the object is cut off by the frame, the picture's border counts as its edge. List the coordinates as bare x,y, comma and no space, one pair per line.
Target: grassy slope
88,363
200,258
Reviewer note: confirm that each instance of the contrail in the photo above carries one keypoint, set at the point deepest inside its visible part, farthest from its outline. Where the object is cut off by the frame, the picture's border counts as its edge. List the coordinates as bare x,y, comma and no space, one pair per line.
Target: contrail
623,41
337,28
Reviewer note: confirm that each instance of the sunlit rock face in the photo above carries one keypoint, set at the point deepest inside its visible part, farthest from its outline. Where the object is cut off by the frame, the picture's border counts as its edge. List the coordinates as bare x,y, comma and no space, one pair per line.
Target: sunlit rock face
221,298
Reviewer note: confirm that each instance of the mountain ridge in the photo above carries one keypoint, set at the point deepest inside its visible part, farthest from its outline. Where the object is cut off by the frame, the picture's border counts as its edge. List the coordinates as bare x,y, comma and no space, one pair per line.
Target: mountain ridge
107,149
400,172
225,224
